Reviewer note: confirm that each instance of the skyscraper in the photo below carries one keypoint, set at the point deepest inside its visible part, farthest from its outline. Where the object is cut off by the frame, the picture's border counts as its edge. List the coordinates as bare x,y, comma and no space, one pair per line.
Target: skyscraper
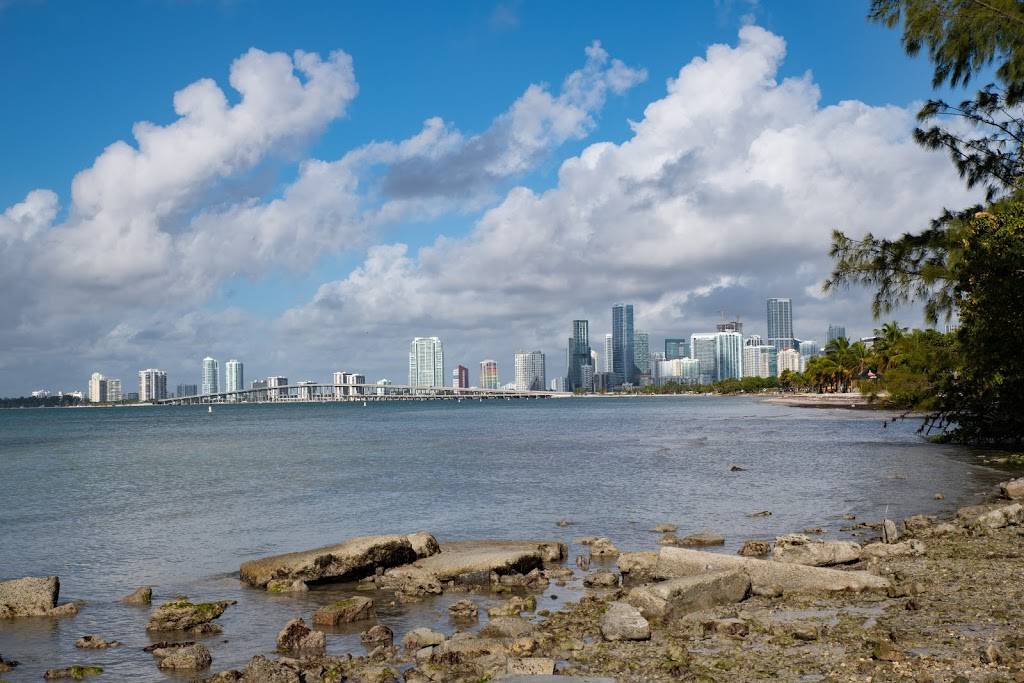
623,358
780,324
460,377
488,374
530,372
729,355
234,379
676,347
835,332
642,356
426,362
152,385
114,390
186,390
97,388
760,360
704,347
608,353
211,372
788,359
579,354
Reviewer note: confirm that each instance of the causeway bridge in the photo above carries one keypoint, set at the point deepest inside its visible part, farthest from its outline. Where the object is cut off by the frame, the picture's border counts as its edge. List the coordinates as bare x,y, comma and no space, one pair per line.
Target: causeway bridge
308,392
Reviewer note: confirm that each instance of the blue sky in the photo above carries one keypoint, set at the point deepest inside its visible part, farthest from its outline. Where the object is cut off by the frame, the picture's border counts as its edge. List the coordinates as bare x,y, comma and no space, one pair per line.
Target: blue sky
76,76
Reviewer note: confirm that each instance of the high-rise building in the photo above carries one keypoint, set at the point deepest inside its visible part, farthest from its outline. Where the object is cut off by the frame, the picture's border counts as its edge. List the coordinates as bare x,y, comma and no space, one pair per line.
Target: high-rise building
760,361
642,356
788,359
623,357
729,355
729,326
680,371
780,324
578,355
657,357
754,340
608,354
460,377
595,358
152,385
704,347
426,362
676,347
97,388
488,374
275,388
186,390
114,390
835,332
211,373
234,379
530,373
587,375
808,348
557,384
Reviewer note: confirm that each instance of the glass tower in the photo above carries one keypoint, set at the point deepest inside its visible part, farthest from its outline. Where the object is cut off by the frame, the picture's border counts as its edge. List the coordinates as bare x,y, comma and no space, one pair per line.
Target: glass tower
623,359
234,379
676,348
426,362
211,372
579,356
780,324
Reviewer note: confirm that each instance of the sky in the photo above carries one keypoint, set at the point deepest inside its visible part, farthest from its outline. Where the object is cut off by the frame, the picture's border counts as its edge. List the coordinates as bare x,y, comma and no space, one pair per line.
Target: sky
307,186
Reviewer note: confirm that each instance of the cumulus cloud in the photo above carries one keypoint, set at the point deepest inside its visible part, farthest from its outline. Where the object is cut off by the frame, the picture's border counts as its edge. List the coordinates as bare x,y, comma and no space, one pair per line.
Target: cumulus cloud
726,193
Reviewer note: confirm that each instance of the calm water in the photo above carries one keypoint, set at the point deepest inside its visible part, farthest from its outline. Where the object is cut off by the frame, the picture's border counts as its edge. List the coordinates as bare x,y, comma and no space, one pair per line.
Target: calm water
177,498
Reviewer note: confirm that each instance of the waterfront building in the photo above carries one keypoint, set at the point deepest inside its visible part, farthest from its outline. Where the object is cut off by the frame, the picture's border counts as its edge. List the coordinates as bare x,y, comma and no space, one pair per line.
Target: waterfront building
729,326
426,362
275,388
340,381
835,332
488,374
530,373
754,340
608,353
41,393
602,381
676,347
704,348
578,355
587,375
114,394
152,385
656,358
187,390
760,361
780,324
234,379
557,384
381,383
691,370
642,356
788,359
680,371
97,388
729,355
211,372
261,390
623,351
460,377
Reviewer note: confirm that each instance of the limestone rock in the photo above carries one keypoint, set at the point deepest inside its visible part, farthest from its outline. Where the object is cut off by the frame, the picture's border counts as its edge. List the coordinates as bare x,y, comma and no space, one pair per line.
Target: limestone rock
884,551
420,638
344,611
622,621
734,628
665,528
464,610
262,670
507,627
799,549
287,586
918,523
471,562
424,544
32,596
638,565
998,518
182,615
755,549
791,578
76,672
191,657
377,635
351,559
531,666
890,534
297,637
603,547
140,596
703,538
601,579
513,607
1013,489
91,642
687,594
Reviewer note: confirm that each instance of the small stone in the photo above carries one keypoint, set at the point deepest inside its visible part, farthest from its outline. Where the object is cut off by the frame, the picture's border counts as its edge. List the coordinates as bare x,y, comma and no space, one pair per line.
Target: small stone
849,516
421,637
890,534
665,528
884,651
376,635
601,580
603,547
344,611
755,549
7,664
76,672
814,530
939,496
91,642
507,627
191,657
805,633
734,628
761,513
701,539
142,595
564,523
737,468
531,666
1013,489
513,607
464,610
622,621
297,637
182,615
991,654
767,591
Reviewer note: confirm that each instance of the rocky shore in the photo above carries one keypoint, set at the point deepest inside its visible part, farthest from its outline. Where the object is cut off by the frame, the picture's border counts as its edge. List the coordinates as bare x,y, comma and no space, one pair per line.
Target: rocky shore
920,599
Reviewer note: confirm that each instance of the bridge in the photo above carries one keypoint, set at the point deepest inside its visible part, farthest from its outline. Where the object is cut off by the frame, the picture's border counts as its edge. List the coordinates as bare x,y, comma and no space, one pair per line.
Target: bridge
308,392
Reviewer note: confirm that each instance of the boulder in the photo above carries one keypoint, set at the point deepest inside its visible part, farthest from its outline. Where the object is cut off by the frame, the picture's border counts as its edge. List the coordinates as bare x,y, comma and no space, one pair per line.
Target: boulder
890,534
507,627
32,596
344,611
791,578
755,549
513,607
703,538
637,565
1013,489
140,596
421,637
193,657
603,547
601,579
76,672
377,636
95,643
799,549
182,615
262,670
352,559
690,593
424,544
471,559
1007,515
622,621
299,638
464,610
884,551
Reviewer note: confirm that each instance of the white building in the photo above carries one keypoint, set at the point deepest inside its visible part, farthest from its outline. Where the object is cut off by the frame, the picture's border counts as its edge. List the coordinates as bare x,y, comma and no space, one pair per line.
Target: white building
234,375
211,374
530,372
97,388
114,392
426,362
274,387
760,361
680,370
41,393
558,383
788,359
607,353
152,384
729,355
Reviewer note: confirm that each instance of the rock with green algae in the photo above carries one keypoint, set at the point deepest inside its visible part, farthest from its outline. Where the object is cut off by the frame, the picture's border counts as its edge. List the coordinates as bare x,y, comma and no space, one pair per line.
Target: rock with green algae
76,672
182,615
